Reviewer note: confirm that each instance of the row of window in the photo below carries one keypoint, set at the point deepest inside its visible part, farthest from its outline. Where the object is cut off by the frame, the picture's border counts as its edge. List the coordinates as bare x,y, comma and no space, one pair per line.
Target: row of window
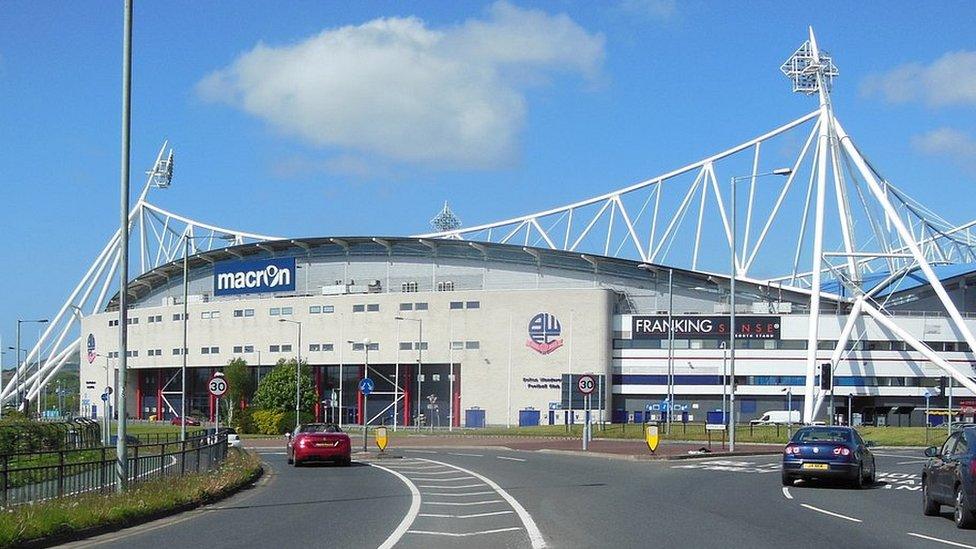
312,309
783,381
785,344
312,347
413,286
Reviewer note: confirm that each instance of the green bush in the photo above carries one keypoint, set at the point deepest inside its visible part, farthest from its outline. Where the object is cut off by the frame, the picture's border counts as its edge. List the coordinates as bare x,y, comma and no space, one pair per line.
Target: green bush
269,422
244,421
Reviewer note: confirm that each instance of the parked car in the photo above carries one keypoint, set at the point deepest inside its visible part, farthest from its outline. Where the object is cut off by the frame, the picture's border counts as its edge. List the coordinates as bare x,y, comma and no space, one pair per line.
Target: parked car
828,452
778,417
948,477
189,421
318,442
233,439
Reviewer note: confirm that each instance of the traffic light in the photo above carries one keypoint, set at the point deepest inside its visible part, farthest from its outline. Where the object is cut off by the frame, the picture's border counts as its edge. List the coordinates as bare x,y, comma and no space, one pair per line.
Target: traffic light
826,381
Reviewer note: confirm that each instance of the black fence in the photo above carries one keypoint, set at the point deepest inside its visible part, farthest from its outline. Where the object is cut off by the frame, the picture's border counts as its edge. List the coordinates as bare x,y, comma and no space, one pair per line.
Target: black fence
32,436
36,476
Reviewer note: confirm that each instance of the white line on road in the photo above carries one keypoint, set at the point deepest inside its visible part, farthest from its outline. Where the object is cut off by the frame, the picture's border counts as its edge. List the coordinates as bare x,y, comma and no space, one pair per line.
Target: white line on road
786,492
431,473
465,503
826,512
450,487
272,453
535,535
411,513
420,451
466,534
452,479
468,455
457,495
510,459
945,541
475,515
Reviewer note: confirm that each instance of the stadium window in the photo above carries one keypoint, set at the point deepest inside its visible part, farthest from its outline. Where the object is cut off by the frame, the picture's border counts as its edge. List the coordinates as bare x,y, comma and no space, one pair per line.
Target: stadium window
408,287
132,354
457,305
827,345
406,306
406,346
286,311
151,319
328,309
286,348
472,305
420,306
457,345
314,347
214,314
205,315
248,312
238,348
472,345
176,351
793,344
249,348
177,316
358,308
134,320
238,313
113,323
274,348
315,310
373,308
275,311
357,347
446,286
374,346
204,350
421,344
327,347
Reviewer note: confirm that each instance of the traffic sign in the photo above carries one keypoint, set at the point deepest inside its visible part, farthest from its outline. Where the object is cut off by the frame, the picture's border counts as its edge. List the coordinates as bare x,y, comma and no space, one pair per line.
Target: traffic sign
366,386
108,390
217,386
104,397
586,384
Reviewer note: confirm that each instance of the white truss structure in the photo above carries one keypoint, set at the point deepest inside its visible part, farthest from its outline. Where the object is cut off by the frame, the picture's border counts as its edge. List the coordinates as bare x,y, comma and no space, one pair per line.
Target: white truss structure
834,216
158,235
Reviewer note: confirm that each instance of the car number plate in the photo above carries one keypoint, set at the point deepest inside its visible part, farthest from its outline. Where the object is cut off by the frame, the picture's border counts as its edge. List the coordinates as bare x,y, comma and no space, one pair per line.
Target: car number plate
818,466
323,444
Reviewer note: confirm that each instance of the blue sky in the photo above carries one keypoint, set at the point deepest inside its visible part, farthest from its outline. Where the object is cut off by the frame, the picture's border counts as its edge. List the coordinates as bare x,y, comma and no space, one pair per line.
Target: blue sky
543,103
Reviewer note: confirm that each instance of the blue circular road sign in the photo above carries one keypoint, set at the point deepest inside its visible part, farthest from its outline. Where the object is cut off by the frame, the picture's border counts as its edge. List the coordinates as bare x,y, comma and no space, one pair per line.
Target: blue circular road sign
104,397
366,386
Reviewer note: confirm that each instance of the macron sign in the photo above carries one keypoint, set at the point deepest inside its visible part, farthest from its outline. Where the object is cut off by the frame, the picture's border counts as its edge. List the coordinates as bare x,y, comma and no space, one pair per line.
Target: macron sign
254,277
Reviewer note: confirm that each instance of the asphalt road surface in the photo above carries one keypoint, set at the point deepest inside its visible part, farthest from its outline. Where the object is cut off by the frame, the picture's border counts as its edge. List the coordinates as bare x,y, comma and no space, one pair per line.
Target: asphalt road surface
490,497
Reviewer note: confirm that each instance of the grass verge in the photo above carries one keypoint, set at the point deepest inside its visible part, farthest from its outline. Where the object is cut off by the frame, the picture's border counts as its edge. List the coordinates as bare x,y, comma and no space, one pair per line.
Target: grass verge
60,520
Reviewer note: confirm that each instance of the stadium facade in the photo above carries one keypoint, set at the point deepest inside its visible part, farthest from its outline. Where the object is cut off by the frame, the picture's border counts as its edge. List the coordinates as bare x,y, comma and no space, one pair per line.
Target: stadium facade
506,331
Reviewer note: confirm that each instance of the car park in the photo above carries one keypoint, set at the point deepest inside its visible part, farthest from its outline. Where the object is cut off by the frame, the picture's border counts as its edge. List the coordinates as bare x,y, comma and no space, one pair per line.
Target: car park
949,477
318,442
820,452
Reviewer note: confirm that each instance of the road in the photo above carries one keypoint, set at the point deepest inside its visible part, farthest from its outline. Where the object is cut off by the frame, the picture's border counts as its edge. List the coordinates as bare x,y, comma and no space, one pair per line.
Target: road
492,497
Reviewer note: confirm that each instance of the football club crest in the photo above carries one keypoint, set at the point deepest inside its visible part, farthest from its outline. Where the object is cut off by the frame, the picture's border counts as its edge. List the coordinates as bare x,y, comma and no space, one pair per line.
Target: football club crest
544,331
91,348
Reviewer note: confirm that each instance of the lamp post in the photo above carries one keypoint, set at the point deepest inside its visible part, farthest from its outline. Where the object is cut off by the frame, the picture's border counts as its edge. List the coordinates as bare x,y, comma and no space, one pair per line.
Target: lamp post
18,349
420,360
298,372
365,343
670,397
105,414
789,412
733,273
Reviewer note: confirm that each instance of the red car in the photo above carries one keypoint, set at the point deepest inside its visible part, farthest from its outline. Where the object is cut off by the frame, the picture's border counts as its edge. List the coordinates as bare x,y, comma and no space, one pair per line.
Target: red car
189,421
319,442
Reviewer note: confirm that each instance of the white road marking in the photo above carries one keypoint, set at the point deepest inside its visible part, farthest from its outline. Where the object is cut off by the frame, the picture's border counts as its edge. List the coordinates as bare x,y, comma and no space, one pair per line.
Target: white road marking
432,473
271,453
786,492
510,459
475,515
945,541
450,487
457,495
411,513
465,503
466,534
826,512
535,535
468,455
445,479
420,451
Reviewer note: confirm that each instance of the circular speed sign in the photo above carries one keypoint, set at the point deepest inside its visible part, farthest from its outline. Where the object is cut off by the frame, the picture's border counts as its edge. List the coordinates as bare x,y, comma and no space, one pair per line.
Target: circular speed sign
586,384
217,386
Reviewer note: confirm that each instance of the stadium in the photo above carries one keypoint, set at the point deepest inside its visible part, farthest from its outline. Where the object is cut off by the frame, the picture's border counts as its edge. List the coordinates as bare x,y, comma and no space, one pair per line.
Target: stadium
833,270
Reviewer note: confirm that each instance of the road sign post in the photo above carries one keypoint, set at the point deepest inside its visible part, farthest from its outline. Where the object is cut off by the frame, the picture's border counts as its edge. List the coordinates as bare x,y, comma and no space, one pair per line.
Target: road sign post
217,387
365,387
586,384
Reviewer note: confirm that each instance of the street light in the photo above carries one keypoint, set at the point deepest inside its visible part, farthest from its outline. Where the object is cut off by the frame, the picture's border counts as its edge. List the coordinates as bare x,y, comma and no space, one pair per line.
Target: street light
733,272
298,371
789,411
655,269
420,360
18,349
105,414
365,343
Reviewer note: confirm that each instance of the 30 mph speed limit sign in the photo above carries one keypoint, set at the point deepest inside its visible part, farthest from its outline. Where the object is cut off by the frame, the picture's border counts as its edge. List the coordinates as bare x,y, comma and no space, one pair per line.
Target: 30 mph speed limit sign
586,384
217,386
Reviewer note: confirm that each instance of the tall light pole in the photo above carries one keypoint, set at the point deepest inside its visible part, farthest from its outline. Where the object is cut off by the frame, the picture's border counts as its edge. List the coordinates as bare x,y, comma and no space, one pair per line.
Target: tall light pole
105,415
733,273
420,360
298,373
17,371
365,343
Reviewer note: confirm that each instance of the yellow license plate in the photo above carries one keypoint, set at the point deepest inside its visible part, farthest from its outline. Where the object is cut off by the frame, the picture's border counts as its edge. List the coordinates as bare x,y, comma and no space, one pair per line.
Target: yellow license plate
817,466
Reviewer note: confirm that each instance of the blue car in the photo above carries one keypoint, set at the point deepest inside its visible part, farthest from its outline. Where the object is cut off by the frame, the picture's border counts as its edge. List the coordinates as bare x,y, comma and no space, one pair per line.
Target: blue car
828,453
948,477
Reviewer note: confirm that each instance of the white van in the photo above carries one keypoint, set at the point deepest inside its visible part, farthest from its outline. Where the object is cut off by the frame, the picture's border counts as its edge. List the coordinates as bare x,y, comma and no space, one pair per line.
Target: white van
778,417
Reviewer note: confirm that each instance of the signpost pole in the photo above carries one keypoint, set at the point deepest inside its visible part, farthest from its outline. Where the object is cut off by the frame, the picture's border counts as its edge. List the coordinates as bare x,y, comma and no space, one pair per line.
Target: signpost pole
949,420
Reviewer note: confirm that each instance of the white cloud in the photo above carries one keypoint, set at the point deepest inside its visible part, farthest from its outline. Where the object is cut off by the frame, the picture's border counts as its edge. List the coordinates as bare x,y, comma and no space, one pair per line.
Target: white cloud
397,89
949,80
949,143
661,10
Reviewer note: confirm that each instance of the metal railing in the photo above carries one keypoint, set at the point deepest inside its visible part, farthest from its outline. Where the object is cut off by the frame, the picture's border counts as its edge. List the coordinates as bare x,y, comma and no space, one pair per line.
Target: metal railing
36,476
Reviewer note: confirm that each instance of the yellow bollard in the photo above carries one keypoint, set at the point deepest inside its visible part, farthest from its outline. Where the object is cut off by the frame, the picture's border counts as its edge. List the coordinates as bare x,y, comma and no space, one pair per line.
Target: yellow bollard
652,437
382,439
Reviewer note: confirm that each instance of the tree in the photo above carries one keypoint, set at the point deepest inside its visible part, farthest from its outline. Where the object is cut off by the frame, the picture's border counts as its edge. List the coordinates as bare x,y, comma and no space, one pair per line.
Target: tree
240,385
277,389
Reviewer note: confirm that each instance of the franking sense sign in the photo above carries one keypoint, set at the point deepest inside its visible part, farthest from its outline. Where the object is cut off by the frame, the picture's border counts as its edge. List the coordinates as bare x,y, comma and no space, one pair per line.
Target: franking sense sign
254,277
704,327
